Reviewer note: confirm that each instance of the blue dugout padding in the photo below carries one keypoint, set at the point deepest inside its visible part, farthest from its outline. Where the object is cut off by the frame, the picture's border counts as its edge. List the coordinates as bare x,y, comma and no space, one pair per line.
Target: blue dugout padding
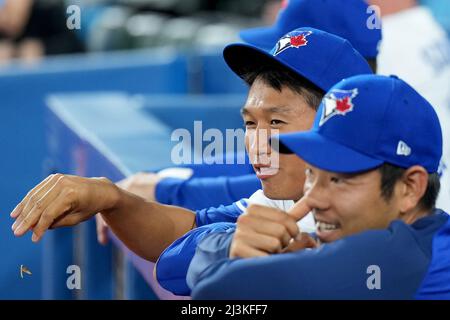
214,76
115,135
22,103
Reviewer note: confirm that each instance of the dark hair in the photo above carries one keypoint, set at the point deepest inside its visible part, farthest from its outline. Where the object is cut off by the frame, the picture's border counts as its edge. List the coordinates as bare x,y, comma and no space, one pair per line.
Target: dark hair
390,174
278,77
373,64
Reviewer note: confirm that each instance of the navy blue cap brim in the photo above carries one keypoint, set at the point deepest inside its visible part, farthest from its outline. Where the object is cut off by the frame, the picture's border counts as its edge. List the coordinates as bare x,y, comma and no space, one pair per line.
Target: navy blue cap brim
244,58
262,37
324,153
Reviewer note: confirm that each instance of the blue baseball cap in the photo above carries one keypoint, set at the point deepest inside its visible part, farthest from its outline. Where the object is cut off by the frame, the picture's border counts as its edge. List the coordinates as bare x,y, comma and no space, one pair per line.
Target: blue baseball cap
366,121
345,18
318,56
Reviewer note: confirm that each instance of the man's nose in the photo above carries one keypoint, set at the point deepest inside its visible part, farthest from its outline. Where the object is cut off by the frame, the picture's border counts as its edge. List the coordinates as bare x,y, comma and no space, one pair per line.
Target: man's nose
259,144
316,196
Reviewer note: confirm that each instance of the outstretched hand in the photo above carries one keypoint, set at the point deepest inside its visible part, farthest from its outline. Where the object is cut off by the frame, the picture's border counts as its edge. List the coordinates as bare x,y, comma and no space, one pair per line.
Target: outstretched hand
62,200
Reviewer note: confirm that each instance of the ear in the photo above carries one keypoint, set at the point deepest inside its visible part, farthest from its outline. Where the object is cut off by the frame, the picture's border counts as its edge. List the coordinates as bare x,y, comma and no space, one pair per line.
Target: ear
413,187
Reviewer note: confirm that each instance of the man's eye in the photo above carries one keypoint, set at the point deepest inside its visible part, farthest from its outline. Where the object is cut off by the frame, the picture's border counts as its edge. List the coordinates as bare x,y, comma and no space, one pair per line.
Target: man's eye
336,179
276,122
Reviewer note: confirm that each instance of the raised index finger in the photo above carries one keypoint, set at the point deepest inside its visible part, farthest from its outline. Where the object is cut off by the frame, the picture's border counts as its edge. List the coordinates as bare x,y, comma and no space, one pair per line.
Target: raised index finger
300,209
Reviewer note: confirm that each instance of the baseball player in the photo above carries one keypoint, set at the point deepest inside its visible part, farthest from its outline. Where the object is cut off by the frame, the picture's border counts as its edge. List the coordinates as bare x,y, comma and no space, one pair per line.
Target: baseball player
371,182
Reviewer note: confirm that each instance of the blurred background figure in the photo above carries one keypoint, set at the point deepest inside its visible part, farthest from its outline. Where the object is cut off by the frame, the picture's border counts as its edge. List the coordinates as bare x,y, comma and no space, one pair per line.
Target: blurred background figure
440,9
184,24
31,29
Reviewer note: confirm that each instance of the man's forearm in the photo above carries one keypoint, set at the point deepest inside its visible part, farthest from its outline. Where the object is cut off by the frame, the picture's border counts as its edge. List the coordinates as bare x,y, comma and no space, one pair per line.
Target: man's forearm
65,200
147,228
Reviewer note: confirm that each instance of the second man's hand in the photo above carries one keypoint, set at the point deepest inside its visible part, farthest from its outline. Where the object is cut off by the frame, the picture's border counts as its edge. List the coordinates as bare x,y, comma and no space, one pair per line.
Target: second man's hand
262,231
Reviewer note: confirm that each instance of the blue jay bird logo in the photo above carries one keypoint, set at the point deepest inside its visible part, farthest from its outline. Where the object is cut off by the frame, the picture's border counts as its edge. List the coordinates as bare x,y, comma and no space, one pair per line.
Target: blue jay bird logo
294,39
337,102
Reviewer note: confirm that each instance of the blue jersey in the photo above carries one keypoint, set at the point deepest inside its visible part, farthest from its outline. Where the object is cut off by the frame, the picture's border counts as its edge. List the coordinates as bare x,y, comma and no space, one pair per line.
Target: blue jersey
173,263
401,262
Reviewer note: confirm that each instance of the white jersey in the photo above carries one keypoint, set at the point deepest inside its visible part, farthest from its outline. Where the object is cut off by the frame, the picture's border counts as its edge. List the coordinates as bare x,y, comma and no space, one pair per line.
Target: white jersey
416,48
305,225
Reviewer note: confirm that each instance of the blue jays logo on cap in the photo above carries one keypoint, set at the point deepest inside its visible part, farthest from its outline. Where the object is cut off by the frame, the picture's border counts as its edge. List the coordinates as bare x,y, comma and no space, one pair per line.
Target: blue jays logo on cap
295,39
337,102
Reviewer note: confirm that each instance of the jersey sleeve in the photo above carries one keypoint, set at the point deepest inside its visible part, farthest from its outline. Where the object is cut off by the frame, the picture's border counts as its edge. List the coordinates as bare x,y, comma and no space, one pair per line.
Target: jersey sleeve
173,263
222,213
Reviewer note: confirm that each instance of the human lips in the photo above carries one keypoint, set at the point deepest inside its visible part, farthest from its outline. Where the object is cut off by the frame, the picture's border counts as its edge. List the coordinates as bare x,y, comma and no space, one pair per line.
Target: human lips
264,171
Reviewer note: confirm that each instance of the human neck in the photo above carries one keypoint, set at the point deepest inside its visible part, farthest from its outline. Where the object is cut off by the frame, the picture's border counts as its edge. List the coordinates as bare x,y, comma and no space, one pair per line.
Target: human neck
414,215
